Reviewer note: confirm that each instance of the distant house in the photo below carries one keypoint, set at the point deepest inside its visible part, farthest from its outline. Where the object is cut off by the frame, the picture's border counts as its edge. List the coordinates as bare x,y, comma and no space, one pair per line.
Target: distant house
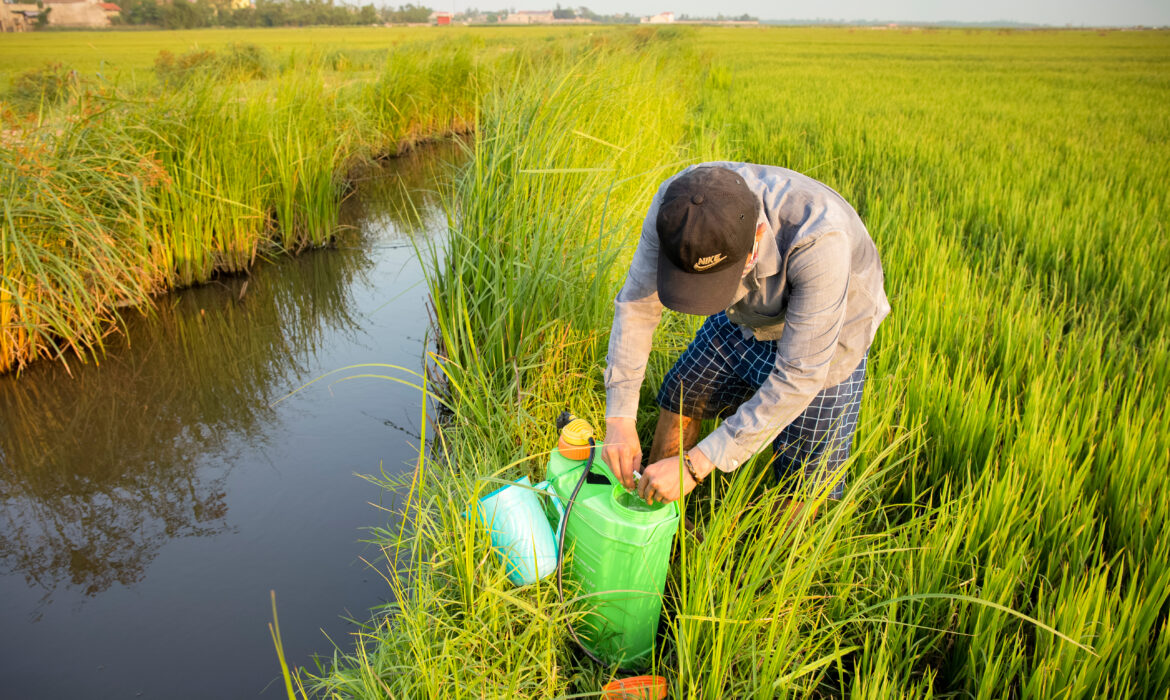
528,17
442,19
660,18
18,17
111,10
78,13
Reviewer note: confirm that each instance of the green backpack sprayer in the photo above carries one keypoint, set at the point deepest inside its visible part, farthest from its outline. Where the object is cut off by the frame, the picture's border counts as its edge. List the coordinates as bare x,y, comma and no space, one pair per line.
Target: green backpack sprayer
620,551
620,546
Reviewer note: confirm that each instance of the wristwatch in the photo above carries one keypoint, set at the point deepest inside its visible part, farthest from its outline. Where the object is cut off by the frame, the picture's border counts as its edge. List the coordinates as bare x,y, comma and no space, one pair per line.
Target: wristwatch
691,468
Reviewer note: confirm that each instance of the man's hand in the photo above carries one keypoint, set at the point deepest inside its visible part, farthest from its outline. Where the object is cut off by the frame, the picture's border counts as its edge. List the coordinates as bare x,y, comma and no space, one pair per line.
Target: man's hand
622,451
667,480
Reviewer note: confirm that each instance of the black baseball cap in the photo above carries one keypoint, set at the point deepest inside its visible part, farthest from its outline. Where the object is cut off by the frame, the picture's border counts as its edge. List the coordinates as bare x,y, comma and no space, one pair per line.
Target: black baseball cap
706,229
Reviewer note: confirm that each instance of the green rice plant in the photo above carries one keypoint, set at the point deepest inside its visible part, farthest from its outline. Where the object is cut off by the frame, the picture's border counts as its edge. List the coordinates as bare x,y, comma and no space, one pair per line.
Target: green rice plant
762,607
132,53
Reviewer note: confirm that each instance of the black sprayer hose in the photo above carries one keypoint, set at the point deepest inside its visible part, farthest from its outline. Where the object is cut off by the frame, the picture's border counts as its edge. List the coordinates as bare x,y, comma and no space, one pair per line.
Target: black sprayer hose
561,551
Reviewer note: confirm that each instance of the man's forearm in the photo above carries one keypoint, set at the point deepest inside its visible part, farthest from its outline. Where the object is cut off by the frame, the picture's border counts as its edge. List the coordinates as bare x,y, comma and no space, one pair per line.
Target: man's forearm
630,340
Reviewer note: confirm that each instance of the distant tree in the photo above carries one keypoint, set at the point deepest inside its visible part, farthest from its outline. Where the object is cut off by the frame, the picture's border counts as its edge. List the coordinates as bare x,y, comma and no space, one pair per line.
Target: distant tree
416,13
563,13
187,14
243,17
745,17
181,14
140,12
270,13
408,13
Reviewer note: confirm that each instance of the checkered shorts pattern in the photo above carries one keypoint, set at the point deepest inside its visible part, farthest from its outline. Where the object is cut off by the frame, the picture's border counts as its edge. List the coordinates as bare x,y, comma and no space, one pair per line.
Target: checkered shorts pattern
721,369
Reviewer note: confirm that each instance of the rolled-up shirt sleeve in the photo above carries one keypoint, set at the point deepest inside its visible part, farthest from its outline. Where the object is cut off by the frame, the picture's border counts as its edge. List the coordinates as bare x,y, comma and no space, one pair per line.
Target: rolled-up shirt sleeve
637,312
818,279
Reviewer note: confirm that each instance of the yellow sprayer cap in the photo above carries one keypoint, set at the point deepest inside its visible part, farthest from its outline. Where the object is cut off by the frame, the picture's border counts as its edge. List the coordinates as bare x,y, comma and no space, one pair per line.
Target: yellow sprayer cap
577,432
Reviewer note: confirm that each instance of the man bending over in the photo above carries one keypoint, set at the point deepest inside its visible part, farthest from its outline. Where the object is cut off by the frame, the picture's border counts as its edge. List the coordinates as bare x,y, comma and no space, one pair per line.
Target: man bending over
791,285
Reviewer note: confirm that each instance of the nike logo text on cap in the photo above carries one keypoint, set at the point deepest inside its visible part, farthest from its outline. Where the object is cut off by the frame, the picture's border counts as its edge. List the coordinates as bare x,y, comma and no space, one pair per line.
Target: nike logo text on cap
709,262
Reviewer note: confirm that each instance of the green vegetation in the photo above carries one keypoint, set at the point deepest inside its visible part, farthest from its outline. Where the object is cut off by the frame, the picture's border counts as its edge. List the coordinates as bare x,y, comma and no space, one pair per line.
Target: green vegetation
1002,534
1012,182
1000,537
119,194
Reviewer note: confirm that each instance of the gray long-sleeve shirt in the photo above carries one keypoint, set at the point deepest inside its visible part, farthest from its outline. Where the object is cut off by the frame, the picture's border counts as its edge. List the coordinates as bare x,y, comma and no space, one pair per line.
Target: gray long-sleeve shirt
816,289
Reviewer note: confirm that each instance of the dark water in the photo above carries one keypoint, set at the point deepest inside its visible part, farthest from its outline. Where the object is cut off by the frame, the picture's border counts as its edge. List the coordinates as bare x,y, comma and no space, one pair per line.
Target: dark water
148,505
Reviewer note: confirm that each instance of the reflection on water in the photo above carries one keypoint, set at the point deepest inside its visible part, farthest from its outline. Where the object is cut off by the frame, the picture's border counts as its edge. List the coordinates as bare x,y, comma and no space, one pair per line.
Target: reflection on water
102,471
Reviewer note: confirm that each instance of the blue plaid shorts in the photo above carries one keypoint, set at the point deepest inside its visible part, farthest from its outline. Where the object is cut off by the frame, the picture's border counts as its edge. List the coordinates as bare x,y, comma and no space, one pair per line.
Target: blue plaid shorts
721,370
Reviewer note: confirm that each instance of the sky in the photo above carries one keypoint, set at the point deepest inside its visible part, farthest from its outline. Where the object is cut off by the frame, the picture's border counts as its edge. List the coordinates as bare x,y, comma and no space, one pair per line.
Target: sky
1054,12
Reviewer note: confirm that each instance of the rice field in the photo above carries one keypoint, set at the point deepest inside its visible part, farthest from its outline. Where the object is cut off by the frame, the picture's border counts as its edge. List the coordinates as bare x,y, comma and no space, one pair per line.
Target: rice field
1002,534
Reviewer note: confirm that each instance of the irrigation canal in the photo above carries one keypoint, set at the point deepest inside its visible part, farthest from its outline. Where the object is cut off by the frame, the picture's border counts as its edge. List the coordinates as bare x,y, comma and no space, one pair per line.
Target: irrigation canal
150,503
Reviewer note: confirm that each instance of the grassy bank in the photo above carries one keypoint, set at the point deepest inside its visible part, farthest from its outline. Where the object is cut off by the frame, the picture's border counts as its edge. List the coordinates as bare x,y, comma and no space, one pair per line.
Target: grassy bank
111,195
1001,535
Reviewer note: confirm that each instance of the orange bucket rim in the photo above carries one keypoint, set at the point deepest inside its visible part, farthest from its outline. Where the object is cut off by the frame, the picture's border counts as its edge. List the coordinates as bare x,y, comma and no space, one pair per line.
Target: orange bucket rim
635,688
